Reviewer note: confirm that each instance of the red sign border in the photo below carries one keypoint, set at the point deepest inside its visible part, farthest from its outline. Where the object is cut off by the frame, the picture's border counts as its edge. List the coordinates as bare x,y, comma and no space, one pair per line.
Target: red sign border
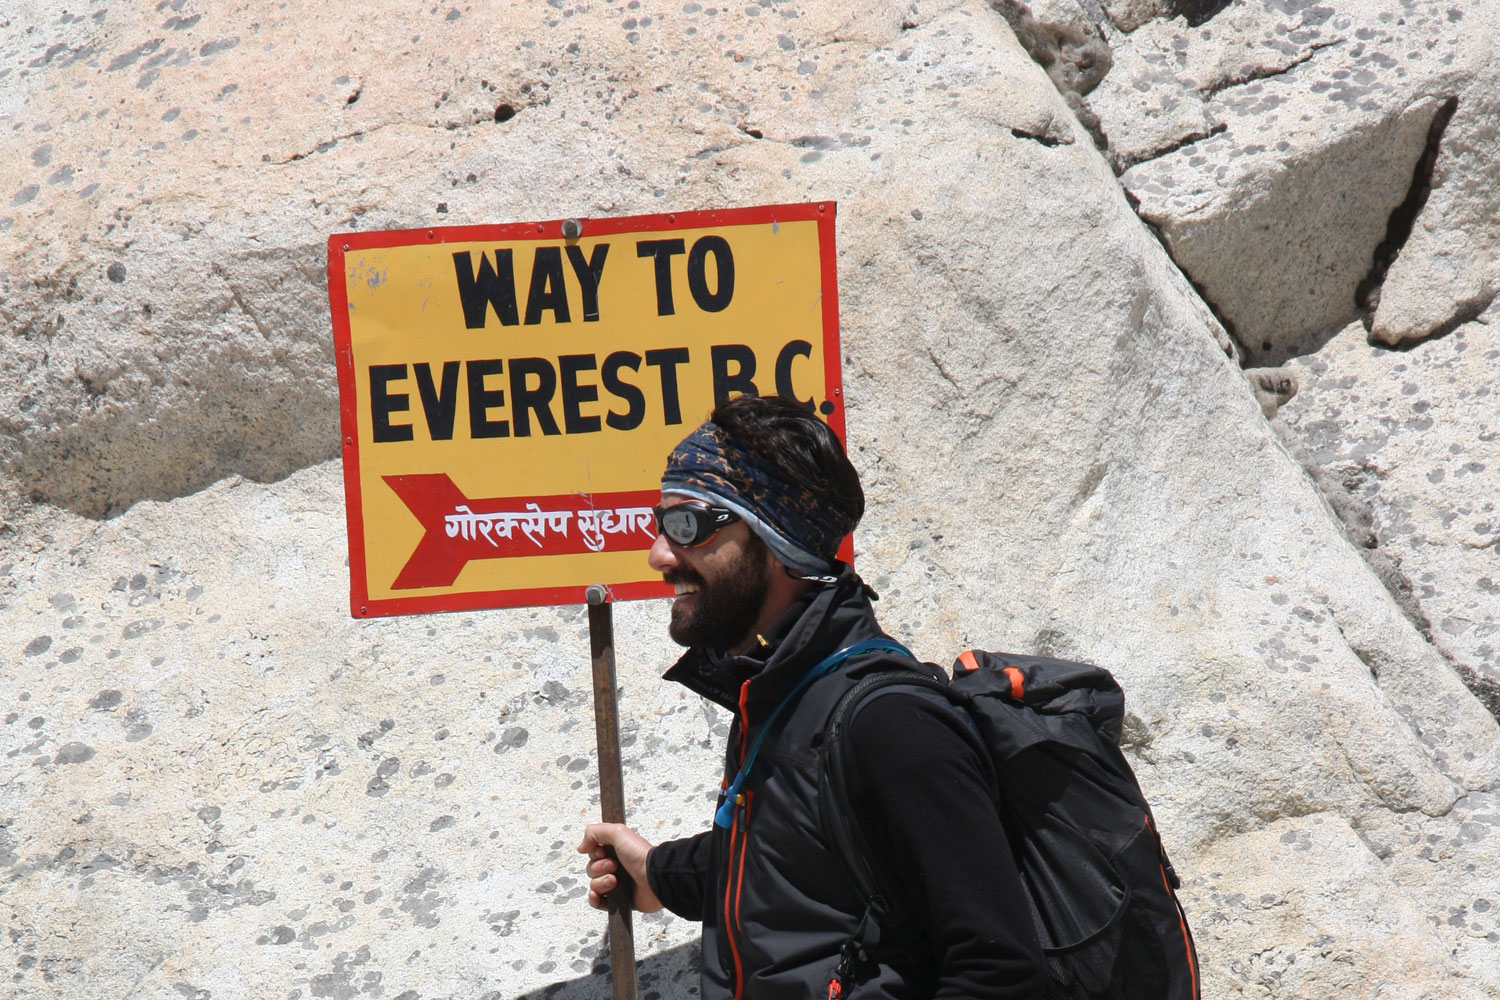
360,604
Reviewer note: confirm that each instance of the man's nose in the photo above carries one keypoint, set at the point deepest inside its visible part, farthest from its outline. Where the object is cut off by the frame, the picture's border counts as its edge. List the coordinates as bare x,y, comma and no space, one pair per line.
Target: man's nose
661,558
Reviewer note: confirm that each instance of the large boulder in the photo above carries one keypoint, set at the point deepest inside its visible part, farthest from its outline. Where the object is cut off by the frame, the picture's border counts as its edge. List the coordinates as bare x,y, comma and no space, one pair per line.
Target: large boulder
216,783
1289,152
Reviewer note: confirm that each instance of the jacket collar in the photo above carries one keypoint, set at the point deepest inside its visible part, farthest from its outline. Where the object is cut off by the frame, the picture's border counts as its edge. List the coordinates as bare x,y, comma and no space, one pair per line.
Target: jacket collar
823,622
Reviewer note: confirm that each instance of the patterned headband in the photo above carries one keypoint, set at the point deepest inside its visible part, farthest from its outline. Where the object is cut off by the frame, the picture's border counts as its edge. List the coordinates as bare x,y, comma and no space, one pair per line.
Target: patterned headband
712,466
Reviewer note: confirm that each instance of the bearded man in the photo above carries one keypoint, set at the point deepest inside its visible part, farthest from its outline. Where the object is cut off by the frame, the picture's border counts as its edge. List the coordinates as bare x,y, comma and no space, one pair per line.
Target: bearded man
755,504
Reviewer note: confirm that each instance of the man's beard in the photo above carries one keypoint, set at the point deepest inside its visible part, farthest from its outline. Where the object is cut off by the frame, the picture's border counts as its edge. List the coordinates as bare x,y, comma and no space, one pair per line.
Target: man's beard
726,607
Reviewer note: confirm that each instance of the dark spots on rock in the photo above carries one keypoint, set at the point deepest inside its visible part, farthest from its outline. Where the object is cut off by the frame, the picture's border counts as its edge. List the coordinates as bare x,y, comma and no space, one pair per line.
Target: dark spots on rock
105,700
504,113
190,135
515,736
25,194
137,629
372,896
133,56
35,722
179,23
1455,15
443,780
39,645
209,813
441,823
138,732
422,900
453,14
280,934
218,45
42,155
74,753
367,739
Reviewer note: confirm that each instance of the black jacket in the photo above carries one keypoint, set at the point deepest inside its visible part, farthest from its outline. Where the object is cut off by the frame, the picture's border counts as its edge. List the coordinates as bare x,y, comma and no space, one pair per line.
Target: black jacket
776,903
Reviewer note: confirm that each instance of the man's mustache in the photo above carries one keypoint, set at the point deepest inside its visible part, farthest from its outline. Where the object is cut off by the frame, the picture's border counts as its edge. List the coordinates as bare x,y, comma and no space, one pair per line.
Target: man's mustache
682,575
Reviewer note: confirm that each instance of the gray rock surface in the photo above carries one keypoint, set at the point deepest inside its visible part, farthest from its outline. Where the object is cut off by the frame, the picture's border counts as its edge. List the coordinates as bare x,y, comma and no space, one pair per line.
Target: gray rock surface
1271,144
212,781
213,778
1415,435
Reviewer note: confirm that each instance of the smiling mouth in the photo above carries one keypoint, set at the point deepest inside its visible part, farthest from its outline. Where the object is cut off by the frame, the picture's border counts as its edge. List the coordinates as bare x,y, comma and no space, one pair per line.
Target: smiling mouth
683,589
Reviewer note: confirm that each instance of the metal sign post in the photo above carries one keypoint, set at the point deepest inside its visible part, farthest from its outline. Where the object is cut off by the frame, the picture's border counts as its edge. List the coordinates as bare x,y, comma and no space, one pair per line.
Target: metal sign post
611,783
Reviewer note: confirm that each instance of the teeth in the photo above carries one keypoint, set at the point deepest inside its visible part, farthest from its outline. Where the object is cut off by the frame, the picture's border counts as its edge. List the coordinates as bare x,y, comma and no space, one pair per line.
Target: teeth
686,588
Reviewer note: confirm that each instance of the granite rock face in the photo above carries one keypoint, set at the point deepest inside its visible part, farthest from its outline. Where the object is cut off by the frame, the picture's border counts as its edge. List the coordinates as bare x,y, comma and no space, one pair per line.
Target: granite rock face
1415,435
213,782
1286,150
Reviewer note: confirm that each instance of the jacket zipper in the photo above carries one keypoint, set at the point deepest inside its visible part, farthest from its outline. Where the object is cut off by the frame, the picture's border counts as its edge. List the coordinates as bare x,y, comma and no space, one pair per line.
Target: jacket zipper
1167,883
734,876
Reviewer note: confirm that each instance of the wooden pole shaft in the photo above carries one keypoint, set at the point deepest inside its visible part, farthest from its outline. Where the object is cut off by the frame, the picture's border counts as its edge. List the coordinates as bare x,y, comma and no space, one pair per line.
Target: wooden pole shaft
611,783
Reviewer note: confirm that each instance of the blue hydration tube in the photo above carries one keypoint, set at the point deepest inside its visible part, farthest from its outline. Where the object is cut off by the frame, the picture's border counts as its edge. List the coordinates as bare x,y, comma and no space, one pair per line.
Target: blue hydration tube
724,815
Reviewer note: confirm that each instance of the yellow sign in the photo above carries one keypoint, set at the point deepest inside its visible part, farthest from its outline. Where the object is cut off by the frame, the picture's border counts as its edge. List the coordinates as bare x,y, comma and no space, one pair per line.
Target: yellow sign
509,394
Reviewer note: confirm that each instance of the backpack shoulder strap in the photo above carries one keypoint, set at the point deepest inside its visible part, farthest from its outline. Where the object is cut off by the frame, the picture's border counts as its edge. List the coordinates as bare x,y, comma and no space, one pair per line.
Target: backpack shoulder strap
885,915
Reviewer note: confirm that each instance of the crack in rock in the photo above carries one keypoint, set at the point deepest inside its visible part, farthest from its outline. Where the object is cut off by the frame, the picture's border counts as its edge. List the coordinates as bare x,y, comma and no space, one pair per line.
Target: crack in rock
1267,73
1125,163
1404,216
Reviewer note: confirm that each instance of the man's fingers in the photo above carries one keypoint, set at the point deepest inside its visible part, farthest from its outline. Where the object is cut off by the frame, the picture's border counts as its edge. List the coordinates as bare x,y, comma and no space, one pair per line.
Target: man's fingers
617,853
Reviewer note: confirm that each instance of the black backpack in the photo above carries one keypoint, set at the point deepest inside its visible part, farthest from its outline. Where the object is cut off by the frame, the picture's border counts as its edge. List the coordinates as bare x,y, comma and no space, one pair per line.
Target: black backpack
1096,878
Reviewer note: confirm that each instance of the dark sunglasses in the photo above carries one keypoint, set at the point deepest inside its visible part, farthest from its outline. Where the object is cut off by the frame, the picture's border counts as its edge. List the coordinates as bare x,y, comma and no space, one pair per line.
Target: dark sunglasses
691,524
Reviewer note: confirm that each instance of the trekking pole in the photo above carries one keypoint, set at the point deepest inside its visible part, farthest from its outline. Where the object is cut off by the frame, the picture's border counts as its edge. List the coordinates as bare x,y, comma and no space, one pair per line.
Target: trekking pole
611,783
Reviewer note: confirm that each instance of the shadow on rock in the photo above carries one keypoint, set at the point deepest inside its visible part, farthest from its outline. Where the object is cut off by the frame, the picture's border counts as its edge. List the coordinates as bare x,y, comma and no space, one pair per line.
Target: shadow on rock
668,975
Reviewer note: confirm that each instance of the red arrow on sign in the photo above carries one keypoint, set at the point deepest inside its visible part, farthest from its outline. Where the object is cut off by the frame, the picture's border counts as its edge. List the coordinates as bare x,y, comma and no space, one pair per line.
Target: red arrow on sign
458,529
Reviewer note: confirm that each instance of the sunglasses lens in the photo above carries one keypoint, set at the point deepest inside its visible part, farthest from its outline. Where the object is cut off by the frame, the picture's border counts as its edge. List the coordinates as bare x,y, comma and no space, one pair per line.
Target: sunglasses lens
680,524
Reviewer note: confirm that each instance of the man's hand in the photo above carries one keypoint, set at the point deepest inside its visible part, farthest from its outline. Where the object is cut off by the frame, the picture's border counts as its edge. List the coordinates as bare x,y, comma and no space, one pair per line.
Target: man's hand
630,850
